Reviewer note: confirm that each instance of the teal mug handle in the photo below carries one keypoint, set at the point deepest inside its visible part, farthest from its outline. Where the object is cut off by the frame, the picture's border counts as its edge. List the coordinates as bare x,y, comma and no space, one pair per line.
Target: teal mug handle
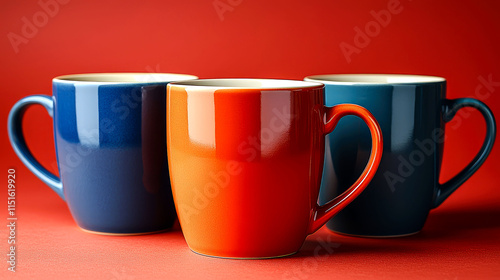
450,108
16,137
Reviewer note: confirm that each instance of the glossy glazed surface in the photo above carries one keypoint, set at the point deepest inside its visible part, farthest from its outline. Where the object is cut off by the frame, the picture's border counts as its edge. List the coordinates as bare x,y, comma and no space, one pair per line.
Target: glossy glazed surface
111,152
412,114
246,166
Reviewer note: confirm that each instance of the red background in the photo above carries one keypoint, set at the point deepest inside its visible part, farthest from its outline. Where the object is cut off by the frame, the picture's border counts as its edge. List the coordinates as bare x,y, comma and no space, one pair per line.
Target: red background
275,39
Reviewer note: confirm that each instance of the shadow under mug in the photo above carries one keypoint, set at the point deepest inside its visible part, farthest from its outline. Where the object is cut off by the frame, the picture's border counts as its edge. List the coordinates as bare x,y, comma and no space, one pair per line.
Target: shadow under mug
109,133
245,160
412,111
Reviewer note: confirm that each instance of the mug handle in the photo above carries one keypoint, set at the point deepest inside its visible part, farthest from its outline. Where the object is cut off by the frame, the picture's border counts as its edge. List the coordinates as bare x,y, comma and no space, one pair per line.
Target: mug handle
450,108
16,137
332,115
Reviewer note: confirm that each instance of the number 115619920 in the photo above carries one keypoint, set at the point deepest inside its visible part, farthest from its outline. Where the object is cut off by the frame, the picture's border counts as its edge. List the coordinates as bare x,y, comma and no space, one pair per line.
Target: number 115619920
11,203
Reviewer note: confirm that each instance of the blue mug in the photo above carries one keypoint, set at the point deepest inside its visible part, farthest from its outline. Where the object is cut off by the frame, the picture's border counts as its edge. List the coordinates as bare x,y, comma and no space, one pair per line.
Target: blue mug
110,138
412,111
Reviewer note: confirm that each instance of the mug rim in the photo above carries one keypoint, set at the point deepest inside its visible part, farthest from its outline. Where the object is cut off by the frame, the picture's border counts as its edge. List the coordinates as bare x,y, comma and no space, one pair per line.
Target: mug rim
246,83
122,78
374,79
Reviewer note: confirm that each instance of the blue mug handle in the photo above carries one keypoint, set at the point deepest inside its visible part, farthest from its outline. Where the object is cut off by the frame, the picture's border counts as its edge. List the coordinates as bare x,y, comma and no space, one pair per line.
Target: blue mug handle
450,108
16,137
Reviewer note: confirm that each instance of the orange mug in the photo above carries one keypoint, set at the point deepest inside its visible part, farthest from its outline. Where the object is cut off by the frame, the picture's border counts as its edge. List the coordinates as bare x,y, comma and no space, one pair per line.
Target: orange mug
245,159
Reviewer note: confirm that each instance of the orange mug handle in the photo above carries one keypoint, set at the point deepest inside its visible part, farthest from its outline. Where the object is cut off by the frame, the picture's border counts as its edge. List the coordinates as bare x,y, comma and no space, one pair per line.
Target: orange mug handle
332,115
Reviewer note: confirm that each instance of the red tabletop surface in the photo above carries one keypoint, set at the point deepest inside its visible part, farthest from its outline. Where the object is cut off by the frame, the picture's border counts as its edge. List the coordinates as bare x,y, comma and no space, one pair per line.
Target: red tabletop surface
459,241
238,38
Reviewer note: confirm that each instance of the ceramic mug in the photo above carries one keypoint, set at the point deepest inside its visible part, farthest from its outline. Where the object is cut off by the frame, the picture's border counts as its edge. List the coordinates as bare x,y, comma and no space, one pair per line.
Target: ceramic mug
111,150
245,160
412,111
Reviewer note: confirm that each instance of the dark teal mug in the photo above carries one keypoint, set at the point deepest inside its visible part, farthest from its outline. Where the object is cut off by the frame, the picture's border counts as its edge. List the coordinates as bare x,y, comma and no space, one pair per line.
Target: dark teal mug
412,112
